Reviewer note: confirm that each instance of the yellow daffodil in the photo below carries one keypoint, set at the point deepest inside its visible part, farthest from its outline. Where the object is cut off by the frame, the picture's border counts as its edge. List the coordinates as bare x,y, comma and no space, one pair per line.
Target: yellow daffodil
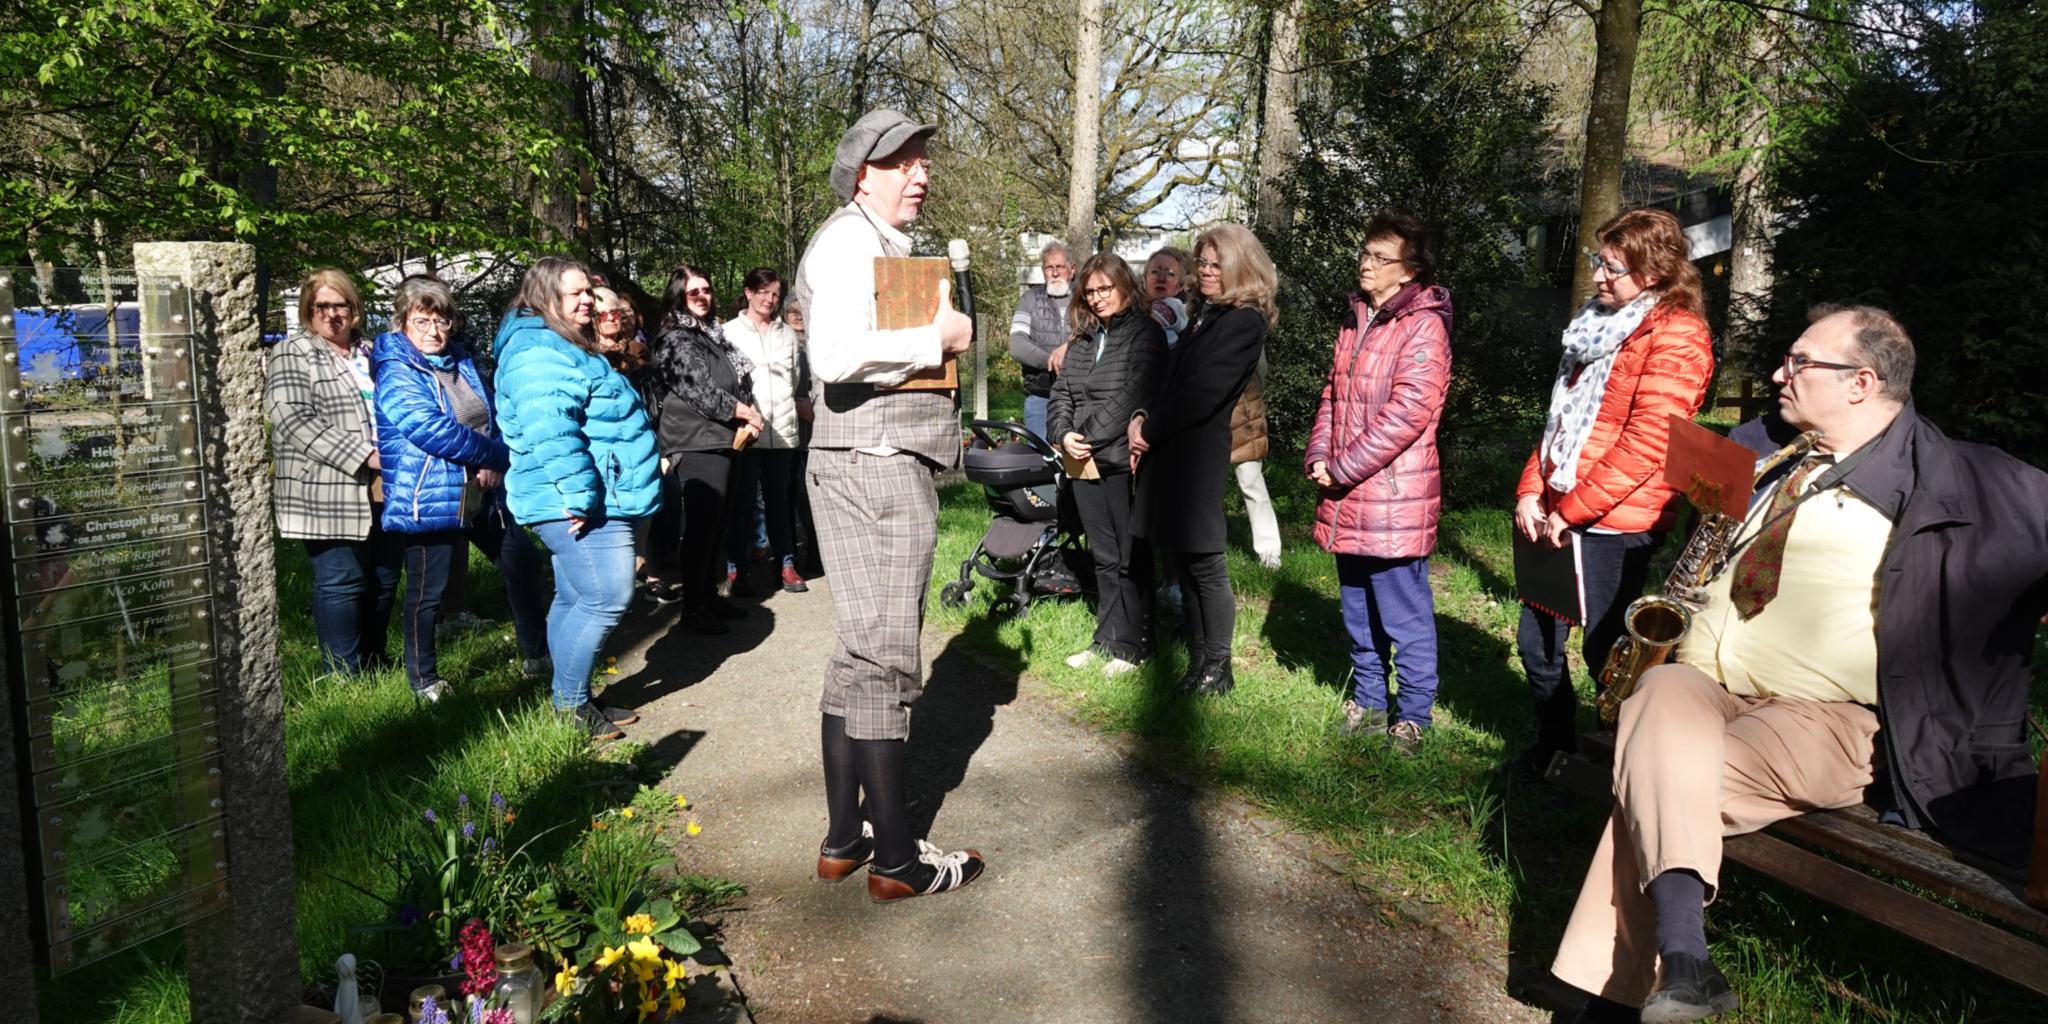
640,924
565,979
675,975
627,813
675,1002
649,1008
694,828
610,956
645,949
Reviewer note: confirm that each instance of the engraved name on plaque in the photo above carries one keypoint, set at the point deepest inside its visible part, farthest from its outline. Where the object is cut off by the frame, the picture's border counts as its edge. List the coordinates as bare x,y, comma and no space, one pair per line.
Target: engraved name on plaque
112,650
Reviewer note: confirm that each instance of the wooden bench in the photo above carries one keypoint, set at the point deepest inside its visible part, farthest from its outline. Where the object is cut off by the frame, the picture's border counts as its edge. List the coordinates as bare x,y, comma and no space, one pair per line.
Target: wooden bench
1851,859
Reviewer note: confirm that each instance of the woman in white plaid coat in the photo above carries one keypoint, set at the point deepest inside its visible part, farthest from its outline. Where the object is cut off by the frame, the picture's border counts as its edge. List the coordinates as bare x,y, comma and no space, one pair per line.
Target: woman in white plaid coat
323,445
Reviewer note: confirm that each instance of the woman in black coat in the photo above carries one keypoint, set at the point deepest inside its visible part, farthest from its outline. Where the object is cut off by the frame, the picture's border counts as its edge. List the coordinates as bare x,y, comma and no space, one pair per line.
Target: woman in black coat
707,406
1111,370
1181,440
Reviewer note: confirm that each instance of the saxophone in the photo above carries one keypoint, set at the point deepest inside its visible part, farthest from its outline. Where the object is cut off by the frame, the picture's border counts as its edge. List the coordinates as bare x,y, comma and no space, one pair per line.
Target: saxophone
1657,621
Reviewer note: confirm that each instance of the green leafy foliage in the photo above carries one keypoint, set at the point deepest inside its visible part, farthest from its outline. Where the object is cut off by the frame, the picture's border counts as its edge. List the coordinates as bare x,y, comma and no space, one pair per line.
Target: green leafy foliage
1435,120
1925,196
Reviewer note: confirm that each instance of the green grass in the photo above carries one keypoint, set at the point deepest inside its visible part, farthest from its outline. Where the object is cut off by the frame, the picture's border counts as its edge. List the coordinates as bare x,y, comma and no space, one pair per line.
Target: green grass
1503,861
363,759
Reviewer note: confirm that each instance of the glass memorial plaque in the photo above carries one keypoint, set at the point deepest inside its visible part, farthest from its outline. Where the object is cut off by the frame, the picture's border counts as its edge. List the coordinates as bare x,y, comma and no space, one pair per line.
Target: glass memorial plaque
127,594
99,443
92,895
103,492
100,565
91,729
75,709
141,926
91,653
102,484
99,824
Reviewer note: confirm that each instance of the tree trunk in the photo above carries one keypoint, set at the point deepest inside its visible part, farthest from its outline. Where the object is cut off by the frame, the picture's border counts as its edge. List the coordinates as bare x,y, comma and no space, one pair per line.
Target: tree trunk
1279,134
857,102
1750,241
555,193
1616,30
1087,131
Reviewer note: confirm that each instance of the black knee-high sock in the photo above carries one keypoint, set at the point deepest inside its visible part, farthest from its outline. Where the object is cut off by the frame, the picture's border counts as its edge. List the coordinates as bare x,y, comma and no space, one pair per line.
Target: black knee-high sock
880,764
1681,900
842,784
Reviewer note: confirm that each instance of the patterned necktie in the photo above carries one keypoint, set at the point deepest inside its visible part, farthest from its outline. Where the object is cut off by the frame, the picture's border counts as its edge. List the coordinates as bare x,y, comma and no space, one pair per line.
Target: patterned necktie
1757,571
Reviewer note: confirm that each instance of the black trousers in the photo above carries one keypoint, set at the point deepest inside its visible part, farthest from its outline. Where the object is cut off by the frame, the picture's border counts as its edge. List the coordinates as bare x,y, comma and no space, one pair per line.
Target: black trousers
701,482
775,471
1211,608
1123,567
1614,566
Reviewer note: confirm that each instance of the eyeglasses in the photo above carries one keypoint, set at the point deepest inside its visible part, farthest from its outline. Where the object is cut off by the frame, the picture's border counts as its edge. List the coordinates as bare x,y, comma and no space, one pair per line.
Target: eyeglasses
1098,293
1201,264
1376,261
698,293
429,323
1599,266
907,165
1795,362
614,314
334,307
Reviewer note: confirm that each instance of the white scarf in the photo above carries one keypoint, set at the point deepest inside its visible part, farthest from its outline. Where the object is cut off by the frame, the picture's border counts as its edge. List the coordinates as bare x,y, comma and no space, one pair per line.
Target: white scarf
1590,344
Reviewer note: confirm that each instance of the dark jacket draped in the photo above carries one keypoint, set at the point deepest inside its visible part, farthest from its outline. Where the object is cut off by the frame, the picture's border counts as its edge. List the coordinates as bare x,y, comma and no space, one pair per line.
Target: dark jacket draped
1961,592
1181,479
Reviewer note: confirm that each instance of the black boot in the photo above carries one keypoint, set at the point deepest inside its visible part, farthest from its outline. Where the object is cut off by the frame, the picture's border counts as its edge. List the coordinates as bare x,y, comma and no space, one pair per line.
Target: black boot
1197,664
1216,679
1688,988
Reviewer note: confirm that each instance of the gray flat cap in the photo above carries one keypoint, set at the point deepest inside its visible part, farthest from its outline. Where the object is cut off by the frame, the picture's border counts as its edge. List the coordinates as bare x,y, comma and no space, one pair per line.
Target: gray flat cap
877,134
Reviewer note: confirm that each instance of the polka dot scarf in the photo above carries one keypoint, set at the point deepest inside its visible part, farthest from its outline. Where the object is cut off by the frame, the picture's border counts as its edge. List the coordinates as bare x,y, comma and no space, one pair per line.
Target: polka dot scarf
1590,344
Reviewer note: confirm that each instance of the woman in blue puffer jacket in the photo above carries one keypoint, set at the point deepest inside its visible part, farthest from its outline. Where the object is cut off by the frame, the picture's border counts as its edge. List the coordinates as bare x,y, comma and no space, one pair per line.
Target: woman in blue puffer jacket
583,472
443,468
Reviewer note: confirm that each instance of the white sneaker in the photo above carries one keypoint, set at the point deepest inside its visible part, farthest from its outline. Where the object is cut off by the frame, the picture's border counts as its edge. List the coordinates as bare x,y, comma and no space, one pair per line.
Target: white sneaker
432,692
1083,659
1270,561
1118,666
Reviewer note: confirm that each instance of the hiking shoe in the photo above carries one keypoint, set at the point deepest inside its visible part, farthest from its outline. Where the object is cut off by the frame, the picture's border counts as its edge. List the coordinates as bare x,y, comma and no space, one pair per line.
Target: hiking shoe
613,714
1689,988
1360,720
933,872
837,864
1216,679
431,693
1405,738
592,721
1083,658
533,670
1118,666
793,581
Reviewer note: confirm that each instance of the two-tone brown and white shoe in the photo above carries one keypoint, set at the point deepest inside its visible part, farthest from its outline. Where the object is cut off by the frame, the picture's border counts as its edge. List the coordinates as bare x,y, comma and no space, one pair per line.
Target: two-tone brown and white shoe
837,865
933,872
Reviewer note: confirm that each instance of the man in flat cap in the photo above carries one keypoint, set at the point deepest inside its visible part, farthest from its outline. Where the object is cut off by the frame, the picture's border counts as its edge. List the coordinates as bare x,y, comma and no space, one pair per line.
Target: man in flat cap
874,452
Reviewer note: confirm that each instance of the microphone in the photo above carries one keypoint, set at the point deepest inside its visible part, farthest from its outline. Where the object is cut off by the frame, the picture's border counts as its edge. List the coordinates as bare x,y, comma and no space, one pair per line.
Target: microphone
963,285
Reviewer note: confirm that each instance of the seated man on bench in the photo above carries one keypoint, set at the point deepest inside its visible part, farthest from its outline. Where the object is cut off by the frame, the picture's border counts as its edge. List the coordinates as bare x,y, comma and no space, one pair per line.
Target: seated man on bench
1874,624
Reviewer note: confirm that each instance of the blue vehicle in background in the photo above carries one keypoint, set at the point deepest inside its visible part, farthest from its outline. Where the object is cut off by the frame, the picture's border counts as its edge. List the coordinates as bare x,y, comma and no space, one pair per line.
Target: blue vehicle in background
67,343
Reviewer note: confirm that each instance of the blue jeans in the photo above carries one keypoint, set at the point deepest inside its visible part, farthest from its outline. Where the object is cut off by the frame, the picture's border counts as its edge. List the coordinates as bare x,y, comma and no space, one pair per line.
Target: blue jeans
593,585
1391,616
429,561
353,585
1034,414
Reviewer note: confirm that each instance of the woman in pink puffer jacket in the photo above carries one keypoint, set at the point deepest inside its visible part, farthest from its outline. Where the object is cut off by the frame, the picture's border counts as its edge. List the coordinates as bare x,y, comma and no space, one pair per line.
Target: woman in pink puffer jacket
1372,450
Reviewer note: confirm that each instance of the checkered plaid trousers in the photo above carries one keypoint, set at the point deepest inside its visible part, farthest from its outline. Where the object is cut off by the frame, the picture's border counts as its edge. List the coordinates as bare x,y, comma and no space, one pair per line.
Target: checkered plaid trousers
878,520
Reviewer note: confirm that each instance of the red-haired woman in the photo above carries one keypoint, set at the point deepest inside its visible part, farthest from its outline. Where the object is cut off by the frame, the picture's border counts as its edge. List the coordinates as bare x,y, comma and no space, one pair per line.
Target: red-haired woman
1636,353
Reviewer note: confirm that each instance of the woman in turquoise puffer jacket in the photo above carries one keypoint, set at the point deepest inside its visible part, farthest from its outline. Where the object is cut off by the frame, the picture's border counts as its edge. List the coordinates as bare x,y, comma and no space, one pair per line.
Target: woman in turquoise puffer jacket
443,467
583,472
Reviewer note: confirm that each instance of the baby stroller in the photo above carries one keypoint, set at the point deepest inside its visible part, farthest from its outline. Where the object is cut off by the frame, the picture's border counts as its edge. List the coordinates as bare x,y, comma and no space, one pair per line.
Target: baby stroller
1028,547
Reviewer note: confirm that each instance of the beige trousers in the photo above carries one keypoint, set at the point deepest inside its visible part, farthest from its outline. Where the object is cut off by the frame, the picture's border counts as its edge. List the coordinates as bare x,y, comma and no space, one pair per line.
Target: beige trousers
1694,763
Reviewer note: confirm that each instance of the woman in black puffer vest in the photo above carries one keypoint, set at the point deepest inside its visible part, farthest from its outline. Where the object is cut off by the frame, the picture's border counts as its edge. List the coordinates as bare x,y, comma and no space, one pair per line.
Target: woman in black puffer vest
1111,371
707,405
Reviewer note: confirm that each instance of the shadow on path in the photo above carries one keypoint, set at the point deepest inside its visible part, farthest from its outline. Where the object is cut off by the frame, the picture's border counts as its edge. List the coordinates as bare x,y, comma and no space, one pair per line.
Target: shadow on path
955,716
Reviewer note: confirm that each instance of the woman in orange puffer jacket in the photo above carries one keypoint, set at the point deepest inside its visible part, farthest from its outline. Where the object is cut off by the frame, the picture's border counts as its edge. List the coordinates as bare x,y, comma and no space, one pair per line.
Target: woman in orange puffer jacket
1372,451
1635,354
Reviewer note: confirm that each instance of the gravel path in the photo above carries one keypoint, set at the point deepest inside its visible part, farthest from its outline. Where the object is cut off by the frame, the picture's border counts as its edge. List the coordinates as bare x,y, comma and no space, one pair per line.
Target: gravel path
1111,895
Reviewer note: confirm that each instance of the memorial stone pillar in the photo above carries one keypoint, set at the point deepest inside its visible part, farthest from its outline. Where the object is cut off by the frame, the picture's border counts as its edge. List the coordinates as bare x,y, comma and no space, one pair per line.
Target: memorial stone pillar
243,964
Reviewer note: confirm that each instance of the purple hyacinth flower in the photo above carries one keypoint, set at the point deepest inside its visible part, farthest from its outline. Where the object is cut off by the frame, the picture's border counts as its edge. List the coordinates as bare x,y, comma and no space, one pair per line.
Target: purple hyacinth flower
469,830
431,1012
429,815
490,844
462,800
497,801
455,962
